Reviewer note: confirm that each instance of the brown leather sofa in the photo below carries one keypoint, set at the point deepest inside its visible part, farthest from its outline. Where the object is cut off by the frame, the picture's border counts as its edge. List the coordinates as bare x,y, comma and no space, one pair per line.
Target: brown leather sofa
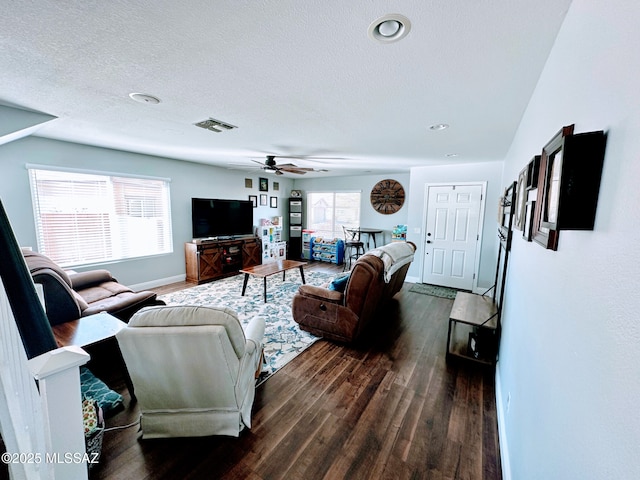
69,296
375,277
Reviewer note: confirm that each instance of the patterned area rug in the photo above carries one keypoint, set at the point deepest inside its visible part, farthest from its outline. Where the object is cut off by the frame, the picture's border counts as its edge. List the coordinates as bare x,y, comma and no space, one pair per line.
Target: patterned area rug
283,338
434,290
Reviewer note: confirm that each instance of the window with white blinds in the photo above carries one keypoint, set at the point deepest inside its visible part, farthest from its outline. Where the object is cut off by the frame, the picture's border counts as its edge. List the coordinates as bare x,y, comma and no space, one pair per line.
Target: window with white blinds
328,212
84,218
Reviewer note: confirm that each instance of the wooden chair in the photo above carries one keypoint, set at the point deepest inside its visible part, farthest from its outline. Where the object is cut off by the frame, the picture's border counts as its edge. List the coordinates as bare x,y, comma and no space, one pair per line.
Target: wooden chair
353,246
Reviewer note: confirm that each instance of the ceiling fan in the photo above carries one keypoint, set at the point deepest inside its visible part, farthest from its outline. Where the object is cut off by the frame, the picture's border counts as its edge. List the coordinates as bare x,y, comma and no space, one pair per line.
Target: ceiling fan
270,164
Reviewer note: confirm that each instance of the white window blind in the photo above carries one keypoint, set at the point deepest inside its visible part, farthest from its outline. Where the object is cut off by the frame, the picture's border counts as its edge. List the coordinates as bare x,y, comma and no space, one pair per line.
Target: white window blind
327,212
86,218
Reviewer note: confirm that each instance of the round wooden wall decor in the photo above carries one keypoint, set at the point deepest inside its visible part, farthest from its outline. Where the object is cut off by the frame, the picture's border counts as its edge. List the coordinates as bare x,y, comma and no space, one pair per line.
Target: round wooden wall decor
387,196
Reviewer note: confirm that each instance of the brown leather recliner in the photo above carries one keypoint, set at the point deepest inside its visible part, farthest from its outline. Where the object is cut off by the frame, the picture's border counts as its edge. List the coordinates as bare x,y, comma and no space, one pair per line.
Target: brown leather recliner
374,279
69,296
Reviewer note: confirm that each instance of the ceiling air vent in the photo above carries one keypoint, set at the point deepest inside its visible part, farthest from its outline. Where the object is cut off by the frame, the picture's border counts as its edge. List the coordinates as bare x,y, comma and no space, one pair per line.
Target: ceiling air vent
215,125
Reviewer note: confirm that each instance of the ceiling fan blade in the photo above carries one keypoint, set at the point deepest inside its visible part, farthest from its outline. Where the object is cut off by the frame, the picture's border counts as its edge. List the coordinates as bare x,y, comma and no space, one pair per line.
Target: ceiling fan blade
291,165
293,170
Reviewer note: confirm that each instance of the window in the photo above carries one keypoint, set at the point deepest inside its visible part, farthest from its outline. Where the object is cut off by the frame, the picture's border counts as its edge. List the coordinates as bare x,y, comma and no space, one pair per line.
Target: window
327,212
86,218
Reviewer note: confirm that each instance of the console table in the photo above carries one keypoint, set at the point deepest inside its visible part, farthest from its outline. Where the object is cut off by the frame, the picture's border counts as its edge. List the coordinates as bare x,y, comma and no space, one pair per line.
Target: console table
210,260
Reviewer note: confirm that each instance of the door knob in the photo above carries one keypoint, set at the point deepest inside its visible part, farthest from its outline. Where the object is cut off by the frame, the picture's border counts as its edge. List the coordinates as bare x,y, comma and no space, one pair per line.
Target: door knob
428,241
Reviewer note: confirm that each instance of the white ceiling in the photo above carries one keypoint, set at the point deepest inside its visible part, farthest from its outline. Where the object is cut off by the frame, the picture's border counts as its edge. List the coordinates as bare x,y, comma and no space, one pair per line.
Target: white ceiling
297,78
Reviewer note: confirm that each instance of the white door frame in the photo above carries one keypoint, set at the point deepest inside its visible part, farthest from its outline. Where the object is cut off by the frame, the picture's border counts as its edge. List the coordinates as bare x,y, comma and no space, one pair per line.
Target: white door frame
423,235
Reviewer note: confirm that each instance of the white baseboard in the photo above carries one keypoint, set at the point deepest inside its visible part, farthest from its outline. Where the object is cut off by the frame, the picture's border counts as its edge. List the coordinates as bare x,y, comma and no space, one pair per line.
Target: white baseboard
157,283
502,433
412,279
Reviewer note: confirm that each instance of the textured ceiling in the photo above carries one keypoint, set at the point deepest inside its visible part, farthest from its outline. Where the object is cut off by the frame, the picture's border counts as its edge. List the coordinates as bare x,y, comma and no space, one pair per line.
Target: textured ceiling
297,78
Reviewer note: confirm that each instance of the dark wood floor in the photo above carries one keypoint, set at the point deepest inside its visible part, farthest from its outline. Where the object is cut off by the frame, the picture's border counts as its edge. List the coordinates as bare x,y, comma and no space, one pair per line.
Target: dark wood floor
389,407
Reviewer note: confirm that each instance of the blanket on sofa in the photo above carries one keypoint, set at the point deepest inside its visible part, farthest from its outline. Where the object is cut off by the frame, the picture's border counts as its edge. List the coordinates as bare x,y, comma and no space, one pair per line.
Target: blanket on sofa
394,256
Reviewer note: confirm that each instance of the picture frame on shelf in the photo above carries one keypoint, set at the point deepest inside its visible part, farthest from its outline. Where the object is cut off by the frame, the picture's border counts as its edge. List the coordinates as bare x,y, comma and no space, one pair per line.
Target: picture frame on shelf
273,202
263,199
263,184
254,200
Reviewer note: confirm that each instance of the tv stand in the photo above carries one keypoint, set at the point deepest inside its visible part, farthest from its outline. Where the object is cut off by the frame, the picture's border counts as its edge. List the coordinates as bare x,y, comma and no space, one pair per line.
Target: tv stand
207,259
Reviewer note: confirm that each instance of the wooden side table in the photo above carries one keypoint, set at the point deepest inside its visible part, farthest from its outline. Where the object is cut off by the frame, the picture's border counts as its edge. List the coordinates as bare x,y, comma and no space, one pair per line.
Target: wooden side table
93,330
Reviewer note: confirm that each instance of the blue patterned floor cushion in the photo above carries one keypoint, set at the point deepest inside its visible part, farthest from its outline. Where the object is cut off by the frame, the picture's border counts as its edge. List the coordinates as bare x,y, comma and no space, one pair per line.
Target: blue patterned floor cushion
94,388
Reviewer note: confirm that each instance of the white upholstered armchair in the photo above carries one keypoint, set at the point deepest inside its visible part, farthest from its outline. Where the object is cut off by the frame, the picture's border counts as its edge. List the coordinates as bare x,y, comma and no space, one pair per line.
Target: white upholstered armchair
193,369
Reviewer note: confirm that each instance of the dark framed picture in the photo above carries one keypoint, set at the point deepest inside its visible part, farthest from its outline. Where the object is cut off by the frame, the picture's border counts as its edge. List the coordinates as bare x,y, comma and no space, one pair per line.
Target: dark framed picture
521,199
254,200
273,202
263,199
545,227
533,171
276,186
264,184
527,231
248,183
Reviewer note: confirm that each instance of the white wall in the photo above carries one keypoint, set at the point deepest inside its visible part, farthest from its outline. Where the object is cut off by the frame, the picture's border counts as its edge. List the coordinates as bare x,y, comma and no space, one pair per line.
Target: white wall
489,172
363,183
187,180
570,350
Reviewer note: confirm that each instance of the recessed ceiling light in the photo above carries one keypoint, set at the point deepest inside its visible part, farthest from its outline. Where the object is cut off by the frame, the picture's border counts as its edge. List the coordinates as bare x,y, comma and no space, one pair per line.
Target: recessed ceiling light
389,28
439,126
144,98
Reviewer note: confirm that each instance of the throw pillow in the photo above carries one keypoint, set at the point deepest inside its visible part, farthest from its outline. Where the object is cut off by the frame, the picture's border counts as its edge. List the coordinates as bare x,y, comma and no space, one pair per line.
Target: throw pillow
92,387
339,284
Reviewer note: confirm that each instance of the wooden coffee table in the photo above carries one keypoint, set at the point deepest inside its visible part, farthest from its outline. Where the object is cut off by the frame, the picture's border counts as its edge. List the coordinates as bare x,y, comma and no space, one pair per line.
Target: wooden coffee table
267,269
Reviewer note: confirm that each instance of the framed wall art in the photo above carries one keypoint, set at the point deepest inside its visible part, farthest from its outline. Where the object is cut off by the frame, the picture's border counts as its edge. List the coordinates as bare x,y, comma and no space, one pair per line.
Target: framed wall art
273,202
263,199
521,199
527,230
533,171
254,200
568,184
545,231
263,184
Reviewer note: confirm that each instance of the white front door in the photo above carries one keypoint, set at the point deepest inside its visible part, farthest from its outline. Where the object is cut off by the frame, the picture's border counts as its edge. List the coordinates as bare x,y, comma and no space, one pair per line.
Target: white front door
451,237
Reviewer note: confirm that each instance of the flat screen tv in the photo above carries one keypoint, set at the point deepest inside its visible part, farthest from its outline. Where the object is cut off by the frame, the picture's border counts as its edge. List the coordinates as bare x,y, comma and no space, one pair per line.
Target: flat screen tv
221,218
